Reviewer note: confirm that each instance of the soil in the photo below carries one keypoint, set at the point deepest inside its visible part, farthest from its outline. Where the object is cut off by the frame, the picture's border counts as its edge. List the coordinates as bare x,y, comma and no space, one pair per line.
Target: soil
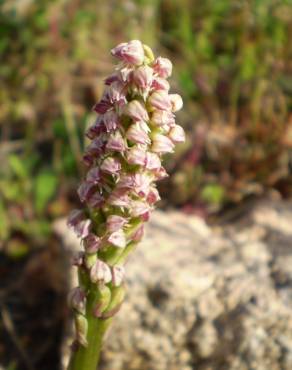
33,309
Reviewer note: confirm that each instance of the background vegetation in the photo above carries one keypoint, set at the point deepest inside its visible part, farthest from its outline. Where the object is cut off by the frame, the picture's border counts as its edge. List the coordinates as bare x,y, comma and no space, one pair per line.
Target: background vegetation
232,65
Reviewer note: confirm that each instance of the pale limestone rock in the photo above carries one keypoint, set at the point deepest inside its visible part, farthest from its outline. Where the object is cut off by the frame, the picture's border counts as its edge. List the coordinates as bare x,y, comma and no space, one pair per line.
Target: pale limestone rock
206,299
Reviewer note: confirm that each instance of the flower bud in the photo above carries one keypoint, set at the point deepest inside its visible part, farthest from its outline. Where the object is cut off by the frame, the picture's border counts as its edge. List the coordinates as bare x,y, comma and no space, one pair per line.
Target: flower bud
101,300
136,111
137,235
162,144
78,259
117,298
163,67
118,273
177,134
159,100
89,260
176,102
130,52
142,77
77,300
100,271
81,326
118,239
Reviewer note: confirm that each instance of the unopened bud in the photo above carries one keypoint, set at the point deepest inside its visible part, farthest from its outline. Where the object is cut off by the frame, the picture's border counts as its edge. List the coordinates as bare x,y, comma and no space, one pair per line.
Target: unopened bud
81,326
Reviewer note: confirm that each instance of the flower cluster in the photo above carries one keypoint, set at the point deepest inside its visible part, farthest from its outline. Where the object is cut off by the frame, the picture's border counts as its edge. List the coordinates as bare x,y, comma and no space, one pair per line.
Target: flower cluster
135,126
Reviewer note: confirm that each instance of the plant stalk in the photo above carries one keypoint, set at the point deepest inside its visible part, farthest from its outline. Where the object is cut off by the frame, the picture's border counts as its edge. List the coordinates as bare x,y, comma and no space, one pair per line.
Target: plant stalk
87,358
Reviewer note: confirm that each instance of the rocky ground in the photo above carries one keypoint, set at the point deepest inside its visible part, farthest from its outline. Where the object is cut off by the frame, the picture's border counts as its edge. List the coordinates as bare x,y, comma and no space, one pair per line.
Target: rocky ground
206,298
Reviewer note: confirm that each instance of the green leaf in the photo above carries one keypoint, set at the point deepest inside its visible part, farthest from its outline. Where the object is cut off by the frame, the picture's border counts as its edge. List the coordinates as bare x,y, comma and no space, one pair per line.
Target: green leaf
213,193
16,249
4,225
45,187
17,165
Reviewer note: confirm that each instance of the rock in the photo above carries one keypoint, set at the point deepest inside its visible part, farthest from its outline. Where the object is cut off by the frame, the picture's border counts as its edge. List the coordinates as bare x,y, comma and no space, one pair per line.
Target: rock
207,298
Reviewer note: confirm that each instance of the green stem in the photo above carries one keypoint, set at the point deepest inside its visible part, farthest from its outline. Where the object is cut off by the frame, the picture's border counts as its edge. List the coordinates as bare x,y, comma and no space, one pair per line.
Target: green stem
86,358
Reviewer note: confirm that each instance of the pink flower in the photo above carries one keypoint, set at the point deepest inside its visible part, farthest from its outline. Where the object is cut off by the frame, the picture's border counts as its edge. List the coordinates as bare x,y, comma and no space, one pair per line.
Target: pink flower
93,176
119,198
75,217
85,190
96,147
163,67
152,161
81,228
112,78
159,99
111,166
176,102
160,174
116,142
177,134
137,111
141,184
159,83
96,129
137,134
162,144
142,77
116,93
102,106
92,243
136,156
88,159
100,271
111,120
126,72
118,239
130,52
162,117
115,223
96,200
153,196
140,209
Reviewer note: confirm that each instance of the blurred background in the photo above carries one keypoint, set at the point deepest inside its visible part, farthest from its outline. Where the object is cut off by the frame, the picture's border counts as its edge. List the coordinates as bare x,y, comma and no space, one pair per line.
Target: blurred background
232,65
